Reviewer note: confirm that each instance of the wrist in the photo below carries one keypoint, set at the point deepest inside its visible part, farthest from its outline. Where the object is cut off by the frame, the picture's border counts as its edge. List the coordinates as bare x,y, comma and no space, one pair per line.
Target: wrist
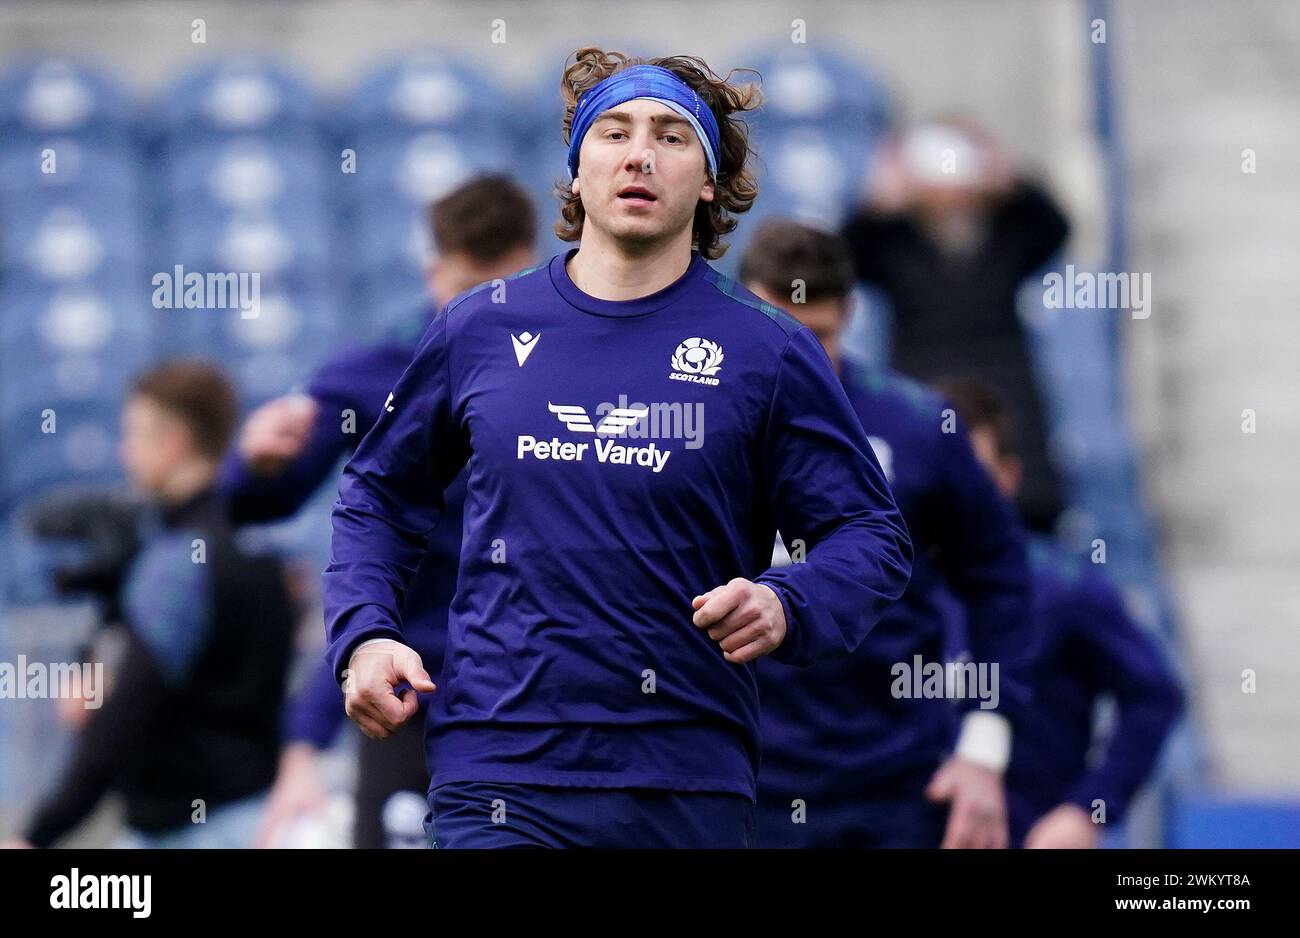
985,740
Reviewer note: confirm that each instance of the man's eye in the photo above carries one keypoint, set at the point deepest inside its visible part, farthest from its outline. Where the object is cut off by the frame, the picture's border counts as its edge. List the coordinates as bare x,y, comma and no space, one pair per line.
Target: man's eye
673,138
615,133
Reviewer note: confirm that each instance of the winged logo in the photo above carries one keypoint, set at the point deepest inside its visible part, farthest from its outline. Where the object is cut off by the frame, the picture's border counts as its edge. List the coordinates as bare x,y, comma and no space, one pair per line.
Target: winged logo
614,423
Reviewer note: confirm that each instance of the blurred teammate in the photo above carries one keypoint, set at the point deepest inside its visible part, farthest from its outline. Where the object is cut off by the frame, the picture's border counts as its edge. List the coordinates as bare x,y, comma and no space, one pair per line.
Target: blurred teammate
614,590
1089,647
950,233
850,751
483,230
189,734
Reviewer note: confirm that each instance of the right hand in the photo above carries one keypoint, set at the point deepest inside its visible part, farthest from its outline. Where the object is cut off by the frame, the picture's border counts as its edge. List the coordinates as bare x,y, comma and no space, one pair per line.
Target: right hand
277,432
297,791
368,696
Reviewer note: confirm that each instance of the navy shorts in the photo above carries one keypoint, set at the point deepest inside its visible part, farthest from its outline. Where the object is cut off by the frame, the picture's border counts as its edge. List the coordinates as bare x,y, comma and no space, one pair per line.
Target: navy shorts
509,814
887,816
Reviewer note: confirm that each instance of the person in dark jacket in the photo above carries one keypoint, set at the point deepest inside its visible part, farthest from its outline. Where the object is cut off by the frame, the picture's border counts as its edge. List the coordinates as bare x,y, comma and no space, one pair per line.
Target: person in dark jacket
949,234
189,735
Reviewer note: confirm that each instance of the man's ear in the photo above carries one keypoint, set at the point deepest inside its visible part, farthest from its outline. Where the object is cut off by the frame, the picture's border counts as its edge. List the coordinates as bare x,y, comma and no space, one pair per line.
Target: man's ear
706,192
573,186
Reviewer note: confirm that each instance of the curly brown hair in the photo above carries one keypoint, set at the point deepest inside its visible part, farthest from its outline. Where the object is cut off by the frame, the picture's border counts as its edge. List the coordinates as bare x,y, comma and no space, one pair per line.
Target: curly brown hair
735,187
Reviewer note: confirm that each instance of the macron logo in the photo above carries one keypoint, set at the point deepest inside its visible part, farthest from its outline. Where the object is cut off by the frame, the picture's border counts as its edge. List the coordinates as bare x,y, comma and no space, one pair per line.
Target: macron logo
524,345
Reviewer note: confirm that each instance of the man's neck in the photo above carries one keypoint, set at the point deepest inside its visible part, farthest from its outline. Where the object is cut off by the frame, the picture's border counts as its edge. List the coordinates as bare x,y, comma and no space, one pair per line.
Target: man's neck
833,353
606,270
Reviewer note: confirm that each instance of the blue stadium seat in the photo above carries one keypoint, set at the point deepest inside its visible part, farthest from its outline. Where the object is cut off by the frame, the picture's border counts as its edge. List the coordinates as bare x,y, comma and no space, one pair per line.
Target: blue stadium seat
61,98
274,243
237,96
81,449
803,86
101,320
247,172
424,166
809,173
60,242
426,90
68,169
536,113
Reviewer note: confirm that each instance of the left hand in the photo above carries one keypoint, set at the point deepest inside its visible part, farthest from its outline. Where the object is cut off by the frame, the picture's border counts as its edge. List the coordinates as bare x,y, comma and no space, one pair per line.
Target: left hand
745,618
978,816
1065,826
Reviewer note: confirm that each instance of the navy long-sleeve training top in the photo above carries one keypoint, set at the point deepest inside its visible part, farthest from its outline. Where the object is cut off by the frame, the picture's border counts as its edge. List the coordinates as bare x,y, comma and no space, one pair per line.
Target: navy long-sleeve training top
835,730
1089,647
594,514
350,390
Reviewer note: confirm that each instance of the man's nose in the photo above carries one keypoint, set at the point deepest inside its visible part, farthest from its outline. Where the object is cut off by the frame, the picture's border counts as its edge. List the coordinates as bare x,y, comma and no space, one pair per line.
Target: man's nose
639,153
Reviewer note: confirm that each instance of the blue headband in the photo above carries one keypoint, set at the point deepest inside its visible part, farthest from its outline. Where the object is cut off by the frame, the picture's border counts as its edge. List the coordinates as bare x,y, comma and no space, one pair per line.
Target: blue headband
654,83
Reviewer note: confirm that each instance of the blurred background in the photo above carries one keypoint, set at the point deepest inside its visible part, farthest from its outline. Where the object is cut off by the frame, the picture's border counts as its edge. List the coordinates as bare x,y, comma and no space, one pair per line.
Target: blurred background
1166,131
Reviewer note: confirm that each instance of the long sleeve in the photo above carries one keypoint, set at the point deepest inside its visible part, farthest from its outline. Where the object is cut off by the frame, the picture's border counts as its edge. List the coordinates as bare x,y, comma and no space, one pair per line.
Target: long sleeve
1030,224
390,497
112,735
1127,663
828,489
982,554
314,714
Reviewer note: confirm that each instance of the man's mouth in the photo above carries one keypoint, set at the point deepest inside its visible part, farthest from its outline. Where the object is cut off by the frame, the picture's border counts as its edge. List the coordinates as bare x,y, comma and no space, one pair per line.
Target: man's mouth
636,194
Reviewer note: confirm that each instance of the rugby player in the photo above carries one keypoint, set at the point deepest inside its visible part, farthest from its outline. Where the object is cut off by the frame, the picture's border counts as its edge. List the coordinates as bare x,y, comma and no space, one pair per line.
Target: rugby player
874,748
1065,781
598,684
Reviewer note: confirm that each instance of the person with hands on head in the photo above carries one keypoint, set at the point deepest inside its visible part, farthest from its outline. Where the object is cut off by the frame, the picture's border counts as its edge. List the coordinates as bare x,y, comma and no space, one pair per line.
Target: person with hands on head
949,231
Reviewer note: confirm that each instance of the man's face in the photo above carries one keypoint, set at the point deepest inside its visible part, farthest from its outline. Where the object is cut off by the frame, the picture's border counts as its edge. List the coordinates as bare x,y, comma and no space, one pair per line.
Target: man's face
154,441
824,317
643,144
452,274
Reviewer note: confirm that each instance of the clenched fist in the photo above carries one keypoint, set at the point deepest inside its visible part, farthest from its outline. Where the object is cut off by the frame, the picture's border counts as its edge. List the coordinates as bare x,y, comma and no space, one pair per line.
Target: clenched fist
745,618
373,672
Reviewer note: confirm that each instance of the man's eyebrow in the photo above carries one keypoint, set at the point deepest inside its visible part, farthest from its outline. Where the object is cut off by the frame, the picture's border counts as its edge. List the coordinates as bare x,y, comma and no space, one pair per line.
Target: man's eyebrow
623,117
